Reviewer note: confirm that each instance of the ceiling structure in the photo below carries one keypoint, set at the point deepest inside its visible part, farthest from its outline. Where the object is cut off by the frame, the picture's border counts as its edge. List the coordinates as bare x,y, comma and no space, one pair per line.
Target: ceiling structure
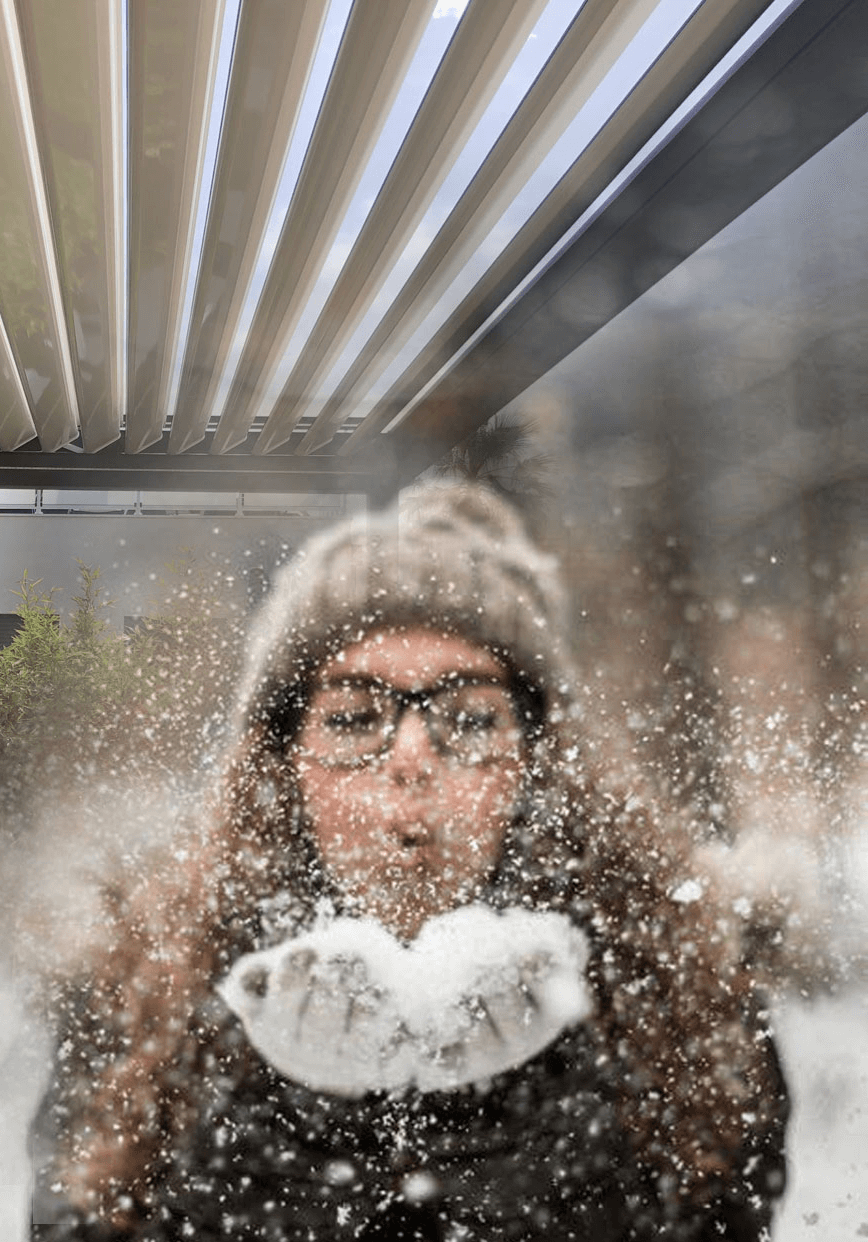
177,314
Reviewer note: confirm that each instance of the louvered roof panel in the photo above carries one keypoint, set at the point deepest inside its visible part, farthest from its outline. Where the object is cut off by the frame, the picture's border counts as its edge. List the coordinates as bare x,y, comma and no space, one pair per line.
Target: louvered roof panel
175,287
690,55
597,37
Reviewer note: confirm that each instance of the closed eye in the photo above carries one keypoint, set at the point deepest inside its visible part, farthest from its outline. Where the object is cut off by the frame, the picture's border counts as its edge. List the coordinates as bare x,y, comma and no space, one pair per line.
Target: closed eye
361,720
475,722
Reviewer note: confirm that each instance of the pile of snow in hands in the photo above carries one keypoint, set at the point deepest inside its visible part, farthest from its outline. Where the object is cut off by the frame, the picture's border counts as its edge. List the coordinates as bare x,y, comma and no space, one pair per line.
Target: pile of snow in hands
347,1008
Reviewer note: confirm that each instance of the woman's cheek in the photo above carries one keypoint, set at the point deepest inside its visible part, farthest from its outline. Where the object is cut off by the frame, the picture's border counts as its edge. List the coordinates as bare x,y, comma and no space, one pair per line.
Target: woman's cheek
343,813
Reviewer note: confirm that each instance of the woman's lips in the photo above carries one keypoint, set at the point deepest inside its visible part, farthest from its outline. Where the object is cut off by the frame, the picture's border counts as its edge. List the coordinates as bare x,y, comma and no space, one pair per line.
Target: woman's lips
413,836
410,832
410,852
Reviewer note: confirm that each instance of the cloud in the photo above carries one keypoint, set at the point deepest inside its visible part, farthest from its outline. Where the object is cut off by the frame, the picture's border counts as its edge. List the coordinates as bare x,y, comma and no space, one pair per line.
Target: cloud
450,8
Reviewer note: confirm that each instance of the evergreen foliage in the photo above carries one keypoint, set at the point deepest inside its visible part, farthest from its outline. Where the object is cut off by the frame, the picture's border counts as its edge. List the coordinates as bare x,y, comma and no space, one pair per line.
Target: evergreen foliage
80,703
56,676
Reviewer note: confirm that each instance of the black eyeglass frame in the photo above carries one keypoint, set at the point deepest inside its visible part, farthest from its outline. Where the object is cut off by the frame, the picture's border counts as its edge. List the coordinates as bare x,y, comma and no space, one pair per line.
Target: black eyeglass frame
422,700
284,710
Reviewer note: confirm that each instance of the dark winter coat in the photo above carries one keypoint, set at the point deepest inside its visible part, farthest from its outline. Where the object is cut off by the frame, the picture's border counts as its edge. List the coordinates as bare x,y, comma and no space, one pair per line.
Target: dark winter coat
536,1153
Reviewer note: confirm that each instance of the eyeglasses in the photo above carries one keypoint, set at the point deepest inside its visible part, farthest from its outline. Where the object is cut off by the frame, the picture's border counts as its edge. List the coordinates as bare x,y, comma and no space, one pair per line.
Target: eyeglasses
352,722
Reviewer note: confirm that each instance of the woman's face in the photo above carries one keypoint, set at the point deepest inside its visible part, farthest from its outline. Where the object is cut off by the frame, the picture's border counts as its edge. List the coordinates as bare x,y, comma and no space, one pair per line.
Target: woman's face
410,795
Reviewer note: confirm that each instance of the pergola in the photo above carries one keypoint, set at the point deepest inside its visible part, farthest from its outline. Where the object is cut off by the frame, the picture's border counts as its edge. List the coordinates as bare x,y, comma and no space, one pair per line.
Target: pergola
144,336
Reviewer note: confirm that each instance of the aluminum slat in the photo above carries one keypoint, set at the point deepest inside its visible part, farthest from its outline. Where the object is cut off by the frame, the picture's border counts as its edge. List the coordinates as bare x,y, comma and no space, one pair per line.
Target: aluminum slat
174,47
75,62
378,44
16,422
596,38
684,63
30,295
478,57
274,49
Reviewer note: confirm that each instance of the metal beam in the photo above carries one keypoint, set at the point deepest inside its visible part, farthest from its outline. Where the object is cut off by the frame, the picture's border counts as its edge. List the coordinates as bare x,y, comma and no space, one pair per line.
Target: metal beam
114,470
782,104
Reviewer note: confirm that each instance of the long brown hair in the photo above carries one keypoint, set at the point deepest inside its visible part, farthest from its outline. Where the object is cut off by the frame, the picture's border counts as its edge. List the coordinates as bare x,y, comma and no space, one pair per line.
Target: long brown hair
671,992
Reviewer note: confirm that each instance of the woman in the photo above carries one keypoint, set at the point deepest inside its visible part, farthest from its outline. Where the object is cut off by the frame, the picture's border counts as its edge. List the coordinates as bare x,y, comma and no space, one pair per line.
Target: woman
424,977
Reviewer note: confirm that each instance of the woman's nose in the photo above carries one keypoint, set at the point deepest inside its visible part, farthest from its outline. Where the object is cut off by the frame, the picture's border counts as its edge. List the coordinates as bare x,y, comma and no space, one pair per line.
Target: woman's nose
411,757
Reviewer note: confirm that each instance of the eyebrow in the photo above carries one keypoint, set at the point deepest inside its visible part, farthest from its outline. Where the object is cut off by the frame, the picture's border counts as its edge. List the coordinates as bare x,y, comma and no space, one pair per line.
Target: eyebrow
366,682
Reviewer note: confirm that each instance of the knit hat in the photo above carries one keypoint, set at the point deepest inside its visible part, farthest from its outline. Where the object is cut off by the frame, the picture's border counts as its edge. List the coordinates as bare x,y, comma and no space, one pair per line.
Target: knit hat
455,559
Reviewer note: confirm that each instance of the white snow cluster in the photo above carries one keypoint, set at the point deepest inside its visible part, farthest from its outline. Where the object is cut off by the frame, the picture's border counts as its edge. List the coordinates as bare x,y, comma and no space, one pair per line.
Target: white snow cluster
347,1008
